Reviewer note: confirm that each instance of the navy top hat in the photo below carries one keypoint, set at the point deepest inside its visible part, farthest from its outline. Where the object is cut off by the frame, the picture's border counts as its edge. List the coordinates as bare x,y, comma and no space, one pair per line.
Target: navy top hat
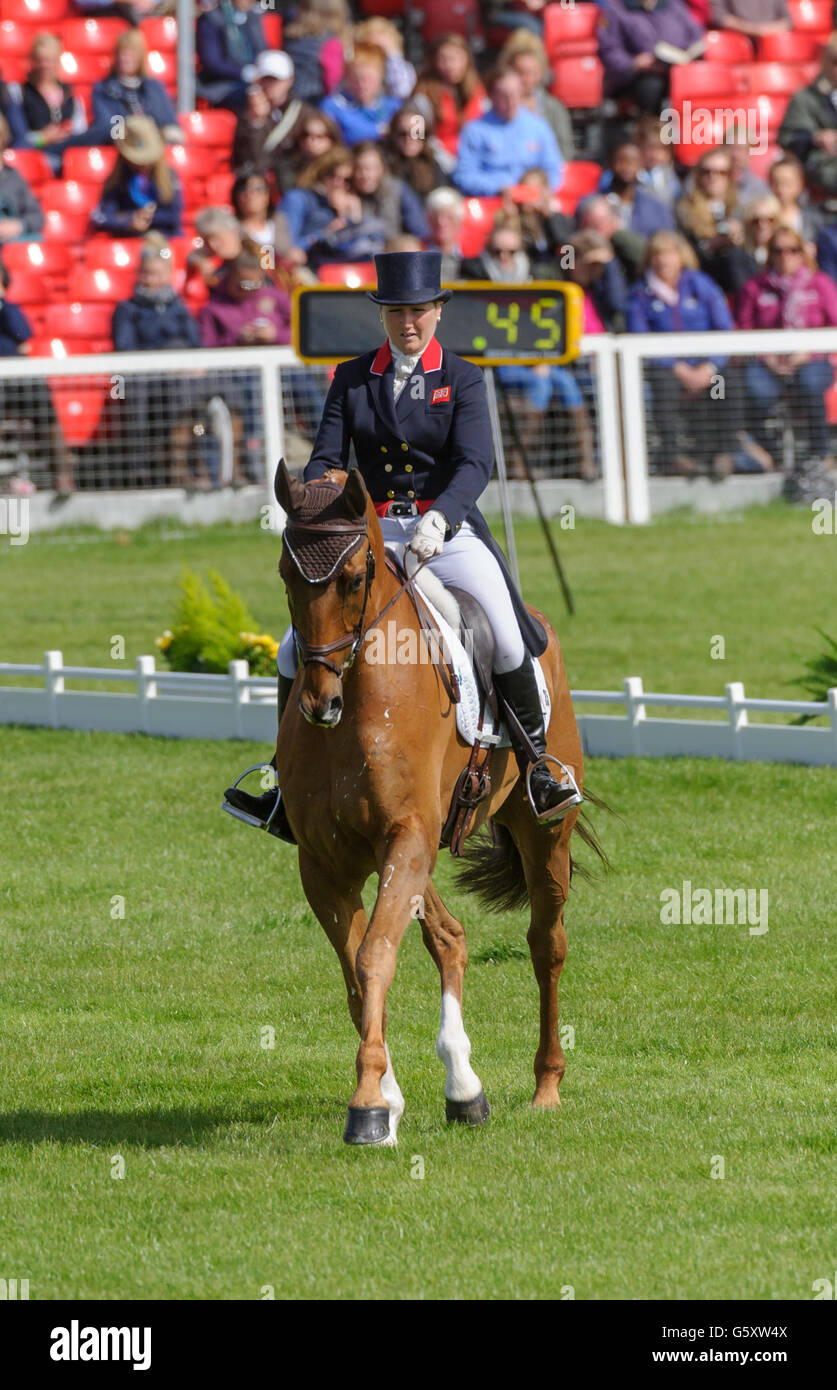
409,277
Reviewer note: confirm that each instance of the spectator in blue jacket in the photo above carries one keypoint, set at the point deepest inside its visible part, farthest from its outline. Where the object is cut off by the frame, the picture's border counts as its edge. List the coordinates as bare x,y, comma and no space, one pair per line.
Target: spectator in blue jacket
11,110
129,91
360,105
159,421
322,220
228,40
384,196
142,193
629,31
637,209
496,149
673,296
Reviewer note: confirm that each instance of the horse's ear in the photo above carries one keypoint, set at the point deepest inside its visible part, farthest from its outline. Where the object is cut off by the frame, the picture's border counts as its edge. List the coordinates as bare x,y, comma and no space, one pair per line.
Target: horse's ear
354,493
288,491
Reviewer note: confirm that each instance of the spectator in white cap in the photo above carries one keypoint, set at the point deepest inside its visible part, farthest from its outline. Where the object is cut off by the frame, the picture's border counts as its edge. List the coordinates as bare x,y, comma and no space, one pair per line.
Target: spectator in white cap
228,40
269,123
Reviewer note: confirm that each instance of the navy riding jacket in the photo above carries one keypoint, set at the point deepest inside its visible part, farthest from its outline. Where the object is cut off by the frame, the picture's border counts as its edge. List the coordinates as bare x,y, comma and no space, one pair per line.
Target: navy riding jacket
432,446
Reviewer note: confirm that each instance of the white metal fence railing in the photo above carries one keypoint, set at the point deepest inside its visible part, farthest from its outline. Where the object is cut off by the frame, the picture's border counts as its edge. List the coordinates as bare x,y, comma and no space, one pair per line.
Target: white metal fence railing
610,423
239,706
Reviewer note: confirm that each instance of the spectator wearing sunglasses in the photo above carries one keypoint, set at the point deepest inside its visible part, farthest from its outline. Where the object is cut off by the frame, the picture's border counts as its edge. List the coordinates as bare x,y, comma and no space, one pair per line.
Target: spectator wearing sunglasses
409,151
322,220
791,293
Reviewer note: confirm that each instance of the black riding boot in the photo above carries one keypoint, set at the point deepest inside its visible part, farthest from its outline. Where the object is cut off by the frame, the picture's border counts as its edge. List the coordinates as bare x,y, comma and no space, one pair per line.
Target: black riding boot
553,798
259,808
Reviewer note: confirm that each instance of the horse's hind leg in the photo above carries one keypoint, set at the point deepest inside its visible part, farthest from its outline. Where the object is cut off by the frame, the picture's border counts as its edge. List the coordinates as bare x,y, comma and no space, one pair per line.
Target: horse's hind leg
343,919
444,938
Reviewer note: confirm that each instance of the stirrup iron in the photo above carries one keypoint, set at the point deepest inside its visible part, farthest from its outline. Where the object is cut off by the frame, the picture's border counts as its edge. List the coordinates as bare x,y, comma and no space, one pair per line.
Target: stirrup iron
557,813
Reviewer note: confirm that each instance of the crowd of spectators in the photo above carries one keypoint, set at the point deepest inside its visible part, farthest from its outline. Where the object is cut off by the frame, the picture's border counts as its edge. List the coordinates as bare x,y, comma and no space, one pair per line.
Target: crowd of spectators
345,145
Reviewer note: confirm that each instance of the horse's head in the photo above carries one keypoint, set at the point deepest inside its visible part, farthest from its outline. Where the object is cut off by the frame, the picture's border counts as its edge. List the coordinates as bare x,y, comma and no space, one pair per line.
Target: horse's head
328,566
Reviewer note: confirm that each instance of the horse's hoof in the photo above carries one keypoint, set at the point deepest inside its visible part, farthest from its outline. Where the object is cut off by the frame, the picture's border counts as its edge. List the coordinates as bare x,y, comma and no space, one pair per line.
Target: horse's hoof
467,1112
367,1125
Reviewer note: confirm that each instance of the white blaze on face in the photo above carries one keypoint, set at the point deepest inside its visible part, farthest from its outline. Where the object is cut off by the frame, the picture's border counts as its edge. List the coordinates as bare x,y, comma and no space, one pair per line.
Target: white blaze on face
391,1092
454,1049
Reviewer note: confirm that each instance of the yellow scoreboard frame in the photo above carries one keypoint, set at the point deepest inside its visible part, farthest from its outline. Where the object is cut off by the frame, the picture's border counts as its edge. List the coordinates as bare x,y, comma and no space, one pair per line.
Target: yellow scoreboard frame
543,333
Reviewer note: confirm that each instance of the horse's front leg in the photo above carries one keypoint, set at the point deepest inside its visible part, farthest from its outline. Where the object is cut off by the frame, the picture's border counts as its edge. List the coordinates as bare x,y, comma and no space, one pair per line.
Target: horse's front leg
342,916
405,868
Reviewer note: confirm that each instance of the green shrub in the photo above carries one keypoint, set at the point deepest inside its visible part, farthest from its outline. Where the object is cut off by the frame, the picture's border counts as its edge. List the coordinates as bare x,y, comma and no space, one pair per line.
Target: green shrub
821,675
212,627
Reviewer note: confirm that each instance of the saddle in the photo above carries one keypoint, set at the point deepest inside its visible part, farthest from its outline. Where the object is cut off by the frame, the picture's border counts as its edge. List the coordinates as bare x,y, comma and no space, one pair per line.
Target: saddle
473,785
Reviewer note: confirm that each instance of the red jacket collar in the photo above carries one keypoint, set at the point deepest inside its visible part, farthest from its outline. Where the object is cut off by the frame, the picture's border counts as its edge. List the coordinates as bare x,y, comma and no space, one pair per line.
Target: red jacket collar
431,358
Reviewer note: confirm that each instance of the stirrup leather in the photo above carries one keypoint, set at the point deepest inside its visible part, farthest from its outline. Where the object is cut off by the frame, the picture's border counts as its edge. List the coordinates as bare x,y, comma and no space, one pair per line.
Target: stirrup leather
556,813
245,815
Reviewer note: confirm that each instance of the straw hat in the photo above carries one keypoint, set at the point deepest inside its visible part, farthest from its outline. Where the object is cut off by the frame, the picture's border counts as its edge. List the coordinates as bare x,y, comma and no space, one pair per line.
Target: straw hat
142,143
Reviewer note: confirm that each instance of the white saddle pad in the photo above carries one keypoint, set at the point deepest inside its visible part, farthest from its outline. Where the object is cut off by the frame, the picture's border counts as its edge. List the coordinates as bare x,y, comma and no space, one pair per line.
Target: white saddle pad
468,709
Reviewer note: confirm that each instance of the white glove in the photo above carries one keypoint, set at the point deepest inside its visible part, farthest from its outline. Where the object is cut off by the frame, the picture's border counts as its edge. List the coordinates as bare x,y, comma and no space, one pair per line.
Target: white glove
429,536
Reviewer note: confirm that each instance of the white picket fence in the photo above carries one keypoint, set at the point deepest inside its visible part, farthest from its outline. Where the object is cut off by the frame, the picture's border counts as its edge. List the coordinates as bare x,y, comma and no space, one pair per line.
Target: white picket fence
240,706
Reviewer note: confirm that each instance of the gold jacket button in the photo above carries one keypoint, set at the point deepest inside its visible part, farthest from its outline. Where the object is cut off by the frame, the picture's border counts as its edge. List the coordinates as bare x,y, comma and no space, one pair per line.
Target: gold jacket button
383,448
387,467
405,446
390,494
411,494
408,468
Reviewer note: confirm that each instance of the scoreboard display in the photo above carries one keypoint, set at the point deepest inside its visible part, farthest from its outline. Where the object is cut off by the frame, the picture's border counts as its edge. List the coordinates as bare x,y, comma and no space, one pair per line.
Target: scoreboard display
489,324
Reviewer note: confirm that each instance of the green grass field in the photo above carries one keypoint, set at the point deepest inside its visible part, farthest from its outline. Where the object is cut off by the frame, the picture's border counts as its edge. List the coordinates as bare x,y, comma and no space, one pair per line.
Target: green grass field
140,1037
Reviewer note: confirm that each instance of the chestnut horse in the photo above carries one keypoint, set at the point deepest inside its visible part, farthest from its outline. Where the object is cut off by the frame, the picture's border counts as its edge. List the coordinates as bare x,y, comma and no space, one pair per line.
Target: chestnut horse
367,757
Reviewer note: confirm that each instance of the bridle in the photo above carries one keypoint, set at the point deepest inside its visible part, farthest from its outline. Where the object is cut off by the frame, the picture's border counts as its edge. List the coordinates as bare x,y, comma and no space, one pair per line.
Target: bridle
309,653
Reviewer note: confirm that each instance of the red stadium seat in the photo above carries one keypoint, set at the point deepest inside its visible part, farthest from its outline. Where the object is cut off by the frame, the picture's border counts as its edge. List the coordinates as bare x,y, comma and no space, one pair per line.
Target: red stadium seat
83,69
811,16
75,320
695,80
724,46
570,31
161,33
28,287
37,12
192,163
51,261
788,48
69,196
449,17
107,253
354,275
772,79
103,285
272,27
79,410
92,35
163,67
210,129
51,345
581,176
762,160
477,221
65,226
577,82
32,165
392,9
218,190
831,403
89,163
16,39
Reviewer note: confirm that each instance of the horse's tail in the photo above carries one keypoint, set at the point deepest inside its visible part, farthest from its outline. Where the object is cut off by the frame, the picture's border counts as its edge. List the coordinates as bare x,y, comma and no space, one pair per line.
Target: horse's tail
493,870
584,829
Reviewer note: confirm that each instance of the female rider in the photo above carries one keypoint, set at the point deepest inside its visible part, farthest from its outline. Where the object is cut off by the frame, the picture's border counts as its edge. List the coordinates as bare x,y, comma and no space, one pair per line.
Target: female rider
418,418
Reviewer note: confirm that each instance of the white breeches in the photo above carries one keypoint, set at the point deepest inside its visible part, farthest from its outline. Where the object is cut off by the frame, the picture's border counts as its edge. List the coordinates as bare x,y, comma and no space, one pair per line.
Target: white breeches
466,563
